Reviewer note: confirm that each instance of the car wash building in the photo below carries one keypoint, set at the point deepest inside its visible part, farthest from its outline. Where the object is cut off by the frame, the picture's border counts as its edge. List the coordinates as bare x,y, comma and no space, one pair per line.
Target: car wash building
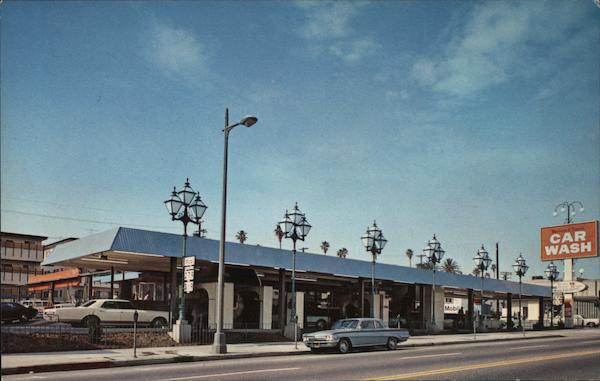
147,266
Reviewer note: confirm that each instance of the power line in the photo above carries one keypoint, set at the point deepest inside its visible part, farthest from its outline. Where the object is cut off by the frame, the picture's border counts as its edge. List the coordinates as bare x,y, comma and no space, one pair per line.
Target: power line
82,219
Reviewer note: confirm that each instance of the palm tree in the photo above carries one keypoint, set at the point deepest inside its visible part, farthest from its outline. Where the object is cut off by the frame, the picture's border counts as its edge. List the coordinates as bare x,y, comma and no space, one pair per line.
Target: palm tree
450,266
409,254
241,236
279,234
493,267
342,253
476,271
325,247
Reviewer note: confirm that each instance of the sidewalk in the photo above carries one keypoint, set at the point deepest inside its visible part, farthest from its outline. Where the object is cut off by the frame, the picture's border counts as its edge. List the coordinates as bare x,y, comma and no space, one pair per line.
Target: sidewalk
93,359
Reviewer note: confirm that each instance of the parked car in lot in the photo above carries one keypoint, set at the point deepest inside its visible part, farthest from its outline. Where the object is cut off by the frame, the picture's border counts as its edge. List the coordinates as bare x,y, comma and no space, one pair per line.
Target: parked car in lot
351,333
38,304
106,311
11,311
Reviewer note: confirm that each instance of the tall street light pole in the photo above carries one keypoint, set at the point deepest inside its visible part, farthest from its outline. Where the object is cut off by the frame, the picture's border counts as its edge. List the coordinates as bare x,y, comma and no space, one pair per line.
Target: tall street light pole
434,253
185,206
296,227
552,275
520,267
374,242
482,262
220,344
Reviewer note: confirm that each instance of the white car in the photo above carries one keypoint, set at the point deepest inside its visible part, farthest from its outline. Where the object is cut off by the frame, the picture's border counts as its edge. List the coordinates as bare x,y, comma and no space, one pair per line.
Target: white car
579,320
106,311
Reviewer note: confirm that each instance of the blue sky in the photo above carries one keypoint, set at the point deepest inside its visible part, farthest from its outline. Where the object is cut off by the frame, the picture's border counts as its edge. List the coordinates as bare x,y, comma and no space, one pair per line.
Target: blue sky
471,120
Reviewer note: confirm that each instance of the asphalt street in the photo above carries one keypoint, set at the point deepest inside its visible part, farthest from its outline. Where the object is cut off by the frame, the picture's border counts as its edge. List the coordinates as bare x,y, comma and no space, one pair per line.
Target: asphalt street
573,358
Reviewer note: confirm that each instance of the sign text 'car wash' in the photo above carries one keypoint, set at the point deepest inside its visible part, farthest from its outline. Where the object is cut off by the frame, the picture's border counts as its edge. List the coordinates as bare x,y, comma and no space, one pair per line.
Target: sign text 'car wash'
570,241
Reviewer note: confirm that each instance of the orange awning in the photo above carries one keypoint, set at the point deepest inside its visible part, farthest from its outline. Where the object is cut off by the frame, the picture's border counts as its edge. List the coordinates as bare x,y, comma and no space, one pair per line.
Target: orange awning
59,275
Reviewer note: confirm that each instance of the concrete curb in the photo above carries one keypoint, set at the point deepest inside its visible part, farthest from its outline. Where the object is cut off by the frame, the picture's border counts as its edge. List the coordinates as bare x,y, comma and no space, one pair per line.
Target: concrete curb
183,358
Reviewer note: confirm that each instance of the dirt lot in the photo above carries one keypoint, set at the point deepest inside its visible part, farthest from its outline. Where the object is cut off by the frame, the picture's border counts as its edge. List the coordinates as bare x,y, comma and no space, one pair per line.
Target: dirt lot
47,342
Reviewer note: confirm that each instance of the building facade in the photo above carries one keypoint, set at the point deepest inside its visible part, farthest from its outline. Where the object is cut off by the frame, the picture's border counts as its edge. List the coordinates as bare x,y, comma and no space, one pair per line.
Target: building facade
21,256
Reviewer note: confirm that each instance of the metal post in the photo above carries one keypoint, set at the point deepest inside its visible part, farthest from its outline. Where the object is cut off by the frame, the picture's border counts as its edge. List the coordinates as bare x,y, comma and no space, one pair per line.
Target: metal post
112,282
220,345
520,306
373,287
433,298
551,302
294,317
181,294
481,313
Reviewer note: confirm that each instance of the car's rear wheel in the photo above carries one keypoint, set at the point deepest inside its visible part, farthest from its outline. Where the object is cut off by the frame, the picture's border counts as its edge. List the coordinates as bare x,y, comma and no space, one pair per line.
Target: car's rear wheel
159,322
344,346
391,343
90,321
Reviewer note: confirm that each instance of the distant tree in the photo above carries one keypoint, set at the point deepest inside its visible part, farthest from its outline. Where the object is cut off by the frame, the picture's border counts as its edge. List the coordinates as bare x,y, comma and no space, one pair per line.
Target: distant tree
409,254
325,247
493,267
342,253
426,266
450,266
279,234
241,236
476,271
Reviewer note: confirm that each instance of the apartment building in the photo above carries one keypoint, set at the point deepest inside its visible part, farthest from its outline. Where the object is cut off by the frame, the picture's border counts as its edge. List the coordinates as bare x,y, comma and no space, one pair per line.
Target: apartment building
20,255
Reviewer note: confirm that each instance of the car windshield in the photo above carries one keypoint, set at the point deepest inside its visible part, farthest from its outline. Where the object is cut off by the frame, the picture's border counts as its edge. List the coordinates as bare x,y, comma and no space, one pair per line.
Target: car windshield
345,324
88,303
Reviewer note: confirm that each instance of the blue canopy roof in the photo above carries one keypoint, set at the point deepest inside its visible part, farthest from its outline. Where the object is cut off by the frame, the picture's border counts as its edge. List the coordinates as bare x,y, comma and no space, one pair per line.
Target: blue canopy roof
170,245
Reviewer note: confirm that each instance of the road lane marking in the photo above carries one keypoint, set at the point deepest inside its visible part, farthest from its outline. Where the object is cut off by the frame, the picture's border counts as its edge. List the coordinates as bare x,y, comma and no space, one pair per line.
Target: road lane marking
589,341
529,346
229,374
434,355
427,373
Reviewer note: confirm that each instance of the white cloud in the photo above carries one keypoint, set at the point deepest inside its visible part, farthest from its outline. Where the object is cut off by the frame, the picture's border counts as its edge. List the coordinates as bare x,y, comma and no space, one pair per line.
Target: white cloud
353,51
329,28
328,19
493,45
175,50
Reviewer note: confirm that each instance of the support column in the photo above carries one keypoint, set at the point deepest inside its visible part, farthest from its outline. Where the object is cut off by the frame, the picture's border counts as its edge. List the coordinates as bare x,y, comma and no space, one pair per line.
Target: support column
541,314
282,301
266,307
300,308
568,298
471,308
112,283
90,287
51,296
361,282
509,302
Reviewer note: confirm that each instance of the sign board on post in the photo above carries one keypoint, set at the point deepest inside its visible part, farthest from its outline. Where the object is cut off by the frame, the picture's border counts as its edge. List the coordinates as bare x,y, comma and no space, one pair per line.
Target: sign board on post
569,241
188,274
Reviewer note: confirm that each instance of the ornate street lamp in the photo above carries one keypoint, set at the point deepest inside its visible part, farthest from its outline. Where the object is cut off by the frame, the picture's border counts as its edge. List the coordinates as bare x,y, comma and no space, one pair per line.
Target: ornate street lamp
185,206
568,208
434,253
294,226
219,343
520,267
482,262
374,242
552,275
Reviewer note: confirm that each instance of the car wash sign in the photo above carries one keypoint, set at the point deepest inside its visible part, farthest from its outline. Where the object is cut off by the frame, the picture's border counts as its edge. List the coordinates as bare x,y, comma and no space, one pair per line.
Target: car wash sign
570,241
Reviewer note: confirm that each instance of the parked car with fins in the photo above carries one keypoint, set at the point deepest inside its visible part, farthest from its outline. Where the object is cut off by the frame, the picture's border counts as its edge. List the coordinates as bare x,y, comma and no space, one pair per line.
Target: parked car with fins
352,333
107,312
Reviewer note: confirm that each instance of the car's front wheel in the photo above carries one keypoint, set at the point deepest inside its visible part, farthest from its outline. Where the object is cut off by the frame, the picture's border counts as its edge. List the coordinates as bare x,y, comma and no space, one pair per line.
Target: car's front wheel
159,322
344,346
391,343
90,321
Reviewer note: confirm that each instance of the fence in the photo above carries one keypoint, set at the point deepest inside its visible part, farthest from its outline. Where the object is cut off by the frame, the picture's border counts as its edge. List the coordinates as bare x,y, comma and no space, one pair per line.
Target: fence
237,333
64,337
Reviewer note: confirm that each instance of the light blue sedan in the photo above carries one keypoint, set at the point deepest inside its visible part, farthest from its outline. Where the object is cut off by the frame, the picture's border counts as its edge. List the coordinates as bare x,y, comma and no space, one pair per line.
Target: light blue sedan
351,333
